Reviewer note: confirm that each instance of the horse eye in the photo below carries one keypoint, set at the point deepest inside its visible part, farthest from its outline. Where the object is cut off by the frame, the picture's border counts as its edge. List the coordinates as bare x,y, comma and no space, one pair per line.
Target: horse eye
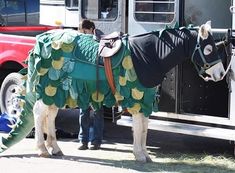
207,49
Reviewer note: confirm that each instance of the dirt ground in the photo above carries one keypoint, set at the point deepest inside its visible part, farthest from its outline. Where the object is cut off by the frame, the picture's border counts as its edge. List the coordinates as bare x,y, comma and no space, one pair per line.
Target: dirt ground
115,155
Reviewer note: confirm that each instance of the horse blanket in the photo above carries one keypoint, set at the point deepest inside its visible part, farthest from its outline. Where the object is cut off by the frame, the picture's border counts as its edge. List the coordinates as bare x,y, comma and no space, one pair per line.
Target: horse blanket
149,52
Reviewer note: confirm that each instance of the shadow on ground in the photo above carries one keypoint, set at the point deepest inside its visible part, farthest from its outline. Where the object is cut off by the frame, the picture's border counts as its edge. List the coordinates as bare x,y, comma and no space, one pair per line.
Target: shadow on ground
161,165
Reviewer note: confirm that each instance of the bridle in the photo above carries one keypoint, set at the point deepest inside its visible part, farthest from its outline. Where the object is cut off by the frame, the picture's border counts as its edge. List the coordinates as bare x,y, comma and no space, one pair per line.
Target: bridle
202,69
227,54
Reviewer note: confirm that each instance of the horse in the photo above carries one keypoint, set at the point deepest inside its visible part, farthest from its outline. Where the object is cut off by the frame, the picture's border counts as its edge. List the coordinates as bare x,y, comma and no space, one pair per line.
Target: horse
66,68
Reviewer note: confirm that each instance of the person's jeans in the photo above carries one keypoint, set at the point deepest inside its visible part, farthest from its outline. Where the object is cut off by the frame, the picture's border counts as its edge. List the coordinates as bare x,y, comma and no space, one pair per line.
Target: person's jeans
98,126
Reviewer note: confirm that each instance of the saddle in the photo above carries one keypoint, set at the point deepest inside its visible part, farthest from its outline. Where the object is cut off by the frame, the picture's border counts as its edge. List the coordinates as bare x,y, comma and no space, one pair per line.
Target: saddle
109,46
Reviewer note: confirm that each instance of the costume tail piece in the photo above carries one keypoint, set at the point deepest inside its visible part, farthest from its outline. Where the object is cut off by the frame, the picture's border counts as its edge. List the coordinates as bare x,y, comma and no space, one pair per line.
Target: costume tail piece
23,126
25,122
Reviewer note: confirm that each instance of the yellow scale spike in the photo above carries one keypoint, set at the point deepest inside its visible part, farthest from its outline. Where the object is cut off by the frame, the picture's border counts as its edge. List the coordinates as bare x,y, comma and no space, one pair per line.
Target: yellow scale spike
50,90
136,94
71,102
135,109
42,71
58,64
67,47
56,45
97,96
122,81
127,62
118,96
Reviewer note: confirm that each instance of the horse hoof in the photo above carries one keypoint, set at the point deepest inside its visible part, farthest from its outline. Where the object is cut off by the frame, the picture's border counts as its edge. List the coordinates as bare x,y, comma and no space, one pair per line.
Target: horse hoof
59,153
149,160
140,158
44,155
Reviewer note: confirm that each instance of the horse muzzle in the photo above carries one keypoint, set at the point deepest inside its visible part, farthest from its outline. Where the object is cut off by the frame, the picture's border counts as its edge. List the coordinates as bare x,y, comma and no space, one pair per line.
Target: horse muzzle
215,73
232,71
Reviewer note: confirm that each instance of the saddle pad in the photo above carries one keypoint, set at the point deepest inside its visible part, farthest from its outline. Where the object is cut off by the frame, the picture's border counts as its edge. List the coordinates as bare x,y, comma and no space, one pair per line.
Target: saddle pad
86,51
69,52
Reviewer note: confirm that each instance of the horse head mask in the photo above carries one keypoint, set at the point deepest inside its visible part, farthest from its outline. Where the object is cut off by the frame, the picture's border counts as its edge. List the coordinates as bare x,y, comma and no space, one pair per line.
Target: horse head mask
205,56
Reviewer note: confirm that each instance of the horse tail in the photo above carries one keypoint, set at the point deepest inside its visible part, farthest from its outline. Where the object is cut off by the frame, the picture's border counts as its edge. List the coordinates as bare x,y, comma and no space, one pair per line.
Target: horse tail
23,126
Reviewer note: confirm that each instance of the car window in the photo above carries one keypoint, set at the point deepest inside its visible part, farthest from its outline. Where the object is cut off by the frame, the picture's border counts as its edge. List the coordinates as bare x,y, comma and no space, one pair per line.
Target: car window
19,12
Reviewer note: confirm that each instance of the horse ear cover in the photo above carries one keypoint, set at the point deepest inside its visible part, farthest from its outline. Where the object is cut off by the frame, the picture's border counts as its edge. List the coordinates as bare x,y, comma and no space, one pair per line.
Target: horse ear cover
204,30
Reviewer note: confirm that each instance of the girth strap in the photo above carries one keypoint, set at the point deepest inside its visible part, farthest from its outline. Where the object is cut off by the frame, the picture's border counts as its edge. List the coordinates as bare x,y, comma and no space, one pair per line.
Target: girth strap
109,73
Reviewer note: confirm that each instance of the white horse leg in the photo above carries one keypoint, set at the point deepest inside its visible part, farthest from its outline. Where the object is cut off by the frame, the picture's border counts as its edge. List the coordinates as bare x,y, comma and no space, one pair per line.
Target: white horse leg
40,112
144,138
137,138
51,141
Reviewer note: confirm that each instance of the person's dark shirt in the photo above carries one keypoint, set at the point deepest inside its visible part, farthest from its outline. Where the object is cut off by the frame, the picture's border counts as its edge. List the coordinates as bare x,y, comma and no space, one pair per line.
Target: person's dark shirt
98,33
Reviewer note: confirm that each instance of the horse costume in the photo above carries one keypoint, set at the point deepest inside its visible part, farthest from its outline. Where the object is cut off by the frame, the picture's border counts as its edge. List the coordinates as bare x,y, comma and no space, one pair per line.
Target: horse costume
63,69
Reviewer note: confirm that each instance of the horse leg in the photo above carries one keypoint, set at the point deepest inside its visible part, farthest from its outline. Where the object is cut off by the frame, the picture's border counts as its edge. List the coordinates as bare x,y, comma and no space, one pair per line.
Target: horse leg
51,141
144,138
40,113
137,138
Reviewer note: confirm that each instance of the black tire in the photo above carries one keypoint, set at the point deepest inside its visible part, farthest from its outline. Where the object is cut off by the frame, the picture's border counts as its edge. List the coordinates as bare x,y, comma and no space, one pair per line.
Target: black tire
11,81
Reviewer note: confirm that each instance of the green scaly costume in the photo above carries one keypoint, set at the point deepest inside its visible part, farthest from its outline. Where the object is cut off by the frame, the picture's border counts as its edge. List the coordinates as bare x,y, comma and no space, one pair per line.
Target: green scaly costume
62,70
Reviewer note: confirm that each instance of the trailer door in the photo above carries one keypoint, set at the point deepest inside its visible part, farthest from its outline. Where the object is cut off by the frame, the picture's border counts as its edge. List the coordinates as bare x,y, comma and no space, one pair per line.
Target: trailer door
108,15
232,81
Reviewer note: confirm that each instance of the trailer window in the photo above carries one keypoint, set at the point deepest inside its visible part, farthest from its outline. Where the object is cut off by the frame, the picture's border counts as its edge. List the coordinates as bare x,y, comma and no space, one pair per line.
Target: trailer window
71,4
100,10
160,11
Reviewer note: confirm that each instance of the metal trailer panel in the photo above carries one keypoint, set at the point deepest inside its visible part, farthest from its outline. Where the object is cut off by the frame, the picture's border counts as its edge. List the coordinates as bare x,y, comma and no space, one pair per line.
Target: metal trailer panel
196,107
184,128
183,91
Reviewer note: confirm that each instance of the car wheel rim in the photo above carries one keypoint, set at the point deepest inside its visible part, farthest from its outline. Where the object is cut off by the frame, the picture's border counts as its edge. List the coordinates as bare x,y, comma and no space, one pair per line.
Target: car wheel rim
12,101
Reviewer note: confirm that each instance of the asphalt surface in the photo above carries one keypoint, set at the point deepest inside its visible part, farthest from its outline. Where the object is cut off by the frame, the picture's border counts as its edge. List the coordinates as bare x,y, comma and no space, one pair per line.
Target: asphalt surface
115,155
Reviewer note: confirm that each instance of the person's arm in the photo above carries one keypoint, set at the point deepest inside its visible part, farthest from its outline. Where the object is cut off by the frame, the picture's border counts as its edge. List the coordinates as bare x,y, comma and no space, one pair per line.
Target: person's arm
98,33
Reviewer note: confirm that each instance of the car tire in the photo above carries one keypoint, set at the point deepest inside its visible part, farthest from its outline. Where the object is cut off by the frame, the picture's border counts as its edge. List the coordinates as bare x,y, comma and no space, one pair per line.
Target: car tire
8,92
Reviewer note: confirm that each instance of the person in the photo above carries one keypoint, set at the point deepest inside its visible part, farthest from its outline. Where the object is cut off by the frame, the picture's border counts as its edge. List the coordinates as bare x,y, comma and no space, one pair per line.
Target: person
91,128
88,27
91,122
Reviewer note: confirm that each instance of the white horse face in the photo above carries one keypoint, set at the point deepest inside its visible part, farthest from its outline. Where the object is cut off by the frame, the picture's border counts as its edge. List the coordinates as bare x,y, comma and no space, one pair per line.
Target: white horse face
207,59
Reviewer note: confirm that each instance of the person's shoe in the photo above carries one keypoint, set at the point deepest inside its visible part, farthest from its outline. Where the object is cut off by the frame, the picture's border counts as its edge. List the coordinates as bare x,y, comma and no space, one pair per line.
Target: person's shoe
95,147
83,147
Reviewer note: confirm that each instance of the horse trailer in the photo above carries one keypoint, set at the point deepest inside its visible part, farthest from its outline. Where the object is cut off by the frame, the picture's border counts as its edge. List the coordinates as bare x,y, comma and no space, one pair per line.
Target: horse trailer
188,104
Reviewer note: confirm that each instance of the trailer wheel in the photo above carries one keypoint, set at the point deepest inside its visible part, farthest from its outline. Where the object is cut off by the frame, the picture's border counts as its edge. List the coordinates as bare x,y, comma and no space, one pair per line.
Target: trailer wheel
9,101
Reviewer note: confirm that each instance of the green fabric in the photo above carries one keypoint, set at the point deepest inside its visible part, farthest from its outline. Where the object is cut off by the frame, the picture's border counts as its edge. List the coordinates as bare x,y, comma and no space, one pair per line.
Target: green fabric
25,123
24,126
62,71
63,66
